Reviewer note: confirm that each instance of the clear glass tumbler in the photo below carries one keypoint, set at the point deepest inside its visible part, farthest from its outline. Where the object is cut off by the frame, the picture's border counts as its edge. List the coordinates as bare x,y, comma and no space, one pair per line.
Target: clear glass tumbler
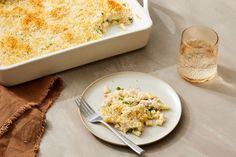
198,54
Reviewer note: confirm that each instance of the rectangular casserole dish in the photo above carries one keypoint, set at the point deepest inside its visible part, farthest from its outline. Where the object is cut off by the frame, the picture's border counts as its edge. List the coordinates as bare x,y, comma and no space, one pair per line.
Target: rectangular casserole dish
115,42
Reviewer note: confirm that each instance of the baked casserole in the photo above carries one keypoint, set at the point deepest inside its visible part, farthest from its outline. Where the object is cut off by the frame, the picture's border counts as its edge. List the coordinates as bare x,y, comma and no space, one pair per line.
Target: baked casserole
130,110
31,28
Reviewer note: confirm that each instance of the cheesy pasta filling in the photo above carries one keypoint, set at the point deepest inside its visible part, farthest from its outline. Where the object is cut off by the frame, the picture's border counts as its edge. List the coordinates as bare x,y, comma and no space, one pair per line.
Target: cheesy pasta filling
130,110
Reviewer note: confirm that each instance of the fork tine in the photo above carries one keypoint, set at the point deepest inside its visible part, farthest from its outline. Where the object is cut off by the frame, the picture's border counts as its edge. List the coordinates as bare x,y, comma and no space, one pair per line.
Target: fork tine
87,105
77,102
83,111
86,114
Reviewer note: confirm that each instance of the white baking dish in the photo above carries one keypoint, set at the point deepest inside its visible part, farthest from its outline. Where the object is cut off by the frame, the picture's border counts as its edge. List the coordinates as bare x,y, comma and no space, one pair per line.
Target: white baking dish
115,42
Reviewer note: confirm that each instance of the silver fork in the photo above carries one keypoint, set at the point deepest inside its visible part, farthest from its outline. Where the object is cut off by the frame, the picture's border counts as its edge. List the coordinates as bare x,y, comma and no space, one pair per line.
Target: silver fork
93,117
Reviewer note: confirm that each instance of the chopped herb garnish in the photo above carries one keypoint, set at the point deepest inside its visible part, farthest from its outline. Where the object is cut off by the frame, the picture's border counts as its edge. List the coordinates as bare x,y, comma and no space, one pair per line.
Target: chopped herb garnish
118,88
150,108
125,102
121,98
99,30
131,19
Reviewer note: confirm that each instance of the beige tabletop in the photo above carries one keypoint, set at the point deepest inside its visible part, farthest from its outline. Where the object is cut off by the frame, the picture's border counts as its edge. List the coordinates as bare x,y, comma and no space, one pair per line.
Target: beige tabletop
208,124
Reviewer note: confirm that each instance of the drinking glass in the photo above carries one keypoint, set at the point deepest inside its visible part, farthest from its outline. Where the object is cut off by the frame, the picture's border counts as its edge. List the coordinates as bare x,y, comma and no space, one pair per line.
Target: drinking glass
197,60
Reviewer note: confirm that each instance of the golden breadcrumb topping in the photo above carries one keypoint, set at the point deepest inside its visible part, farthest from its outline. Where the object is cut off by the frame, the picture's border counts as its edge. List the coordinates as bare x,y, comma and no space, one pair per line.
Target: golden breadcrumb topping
31,28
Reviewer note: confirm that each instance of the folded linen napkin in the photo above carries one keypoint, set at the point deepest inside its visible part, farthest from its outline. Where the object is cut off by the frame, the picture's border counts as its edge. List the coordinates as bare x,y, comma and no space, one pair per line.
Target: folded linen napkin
22,115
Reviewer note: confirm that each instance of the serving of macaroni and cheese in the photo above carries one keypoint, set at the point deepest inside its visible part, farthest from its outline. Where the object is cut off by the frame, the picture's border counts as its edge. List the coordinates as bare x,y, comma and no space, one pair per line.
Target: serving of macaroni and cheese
31,28
130,110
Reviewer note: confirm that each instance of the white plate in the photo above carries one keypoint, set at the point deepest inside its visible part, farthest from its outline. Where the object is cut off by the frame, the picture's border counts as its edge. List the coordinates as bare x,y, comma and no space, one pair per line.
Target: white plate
94,96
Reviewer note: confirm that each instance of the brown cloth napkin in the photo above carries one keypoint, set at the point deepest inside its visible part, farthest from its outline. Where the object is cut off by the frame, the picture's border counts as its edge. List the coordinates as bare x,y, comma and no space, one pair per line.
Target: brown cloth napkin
22,115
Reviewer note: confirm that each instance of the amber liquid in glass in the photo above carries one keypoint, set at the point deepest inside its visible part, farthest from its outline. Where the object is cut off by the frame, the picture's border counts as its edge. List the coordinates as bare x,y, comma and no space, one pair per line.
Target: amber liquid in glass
197,61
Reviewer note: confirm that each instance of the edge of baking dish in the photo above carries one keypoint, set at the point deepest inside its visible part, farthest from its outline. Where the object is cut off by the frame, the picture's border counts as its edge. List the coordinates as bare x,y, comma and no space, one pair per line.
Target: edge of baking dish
67,50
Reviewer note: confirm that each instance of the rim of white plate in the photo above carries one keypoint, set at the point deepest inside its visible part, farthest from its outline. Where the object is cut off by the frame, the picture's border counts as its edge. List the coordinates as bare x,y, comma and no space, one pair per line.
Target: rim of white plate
123,144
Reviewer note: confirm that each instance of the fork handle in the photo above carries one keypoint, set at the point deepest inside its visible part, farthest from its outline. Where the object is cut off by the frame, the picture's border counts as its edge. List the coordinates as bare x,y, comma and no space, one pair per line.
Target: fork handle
133,146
